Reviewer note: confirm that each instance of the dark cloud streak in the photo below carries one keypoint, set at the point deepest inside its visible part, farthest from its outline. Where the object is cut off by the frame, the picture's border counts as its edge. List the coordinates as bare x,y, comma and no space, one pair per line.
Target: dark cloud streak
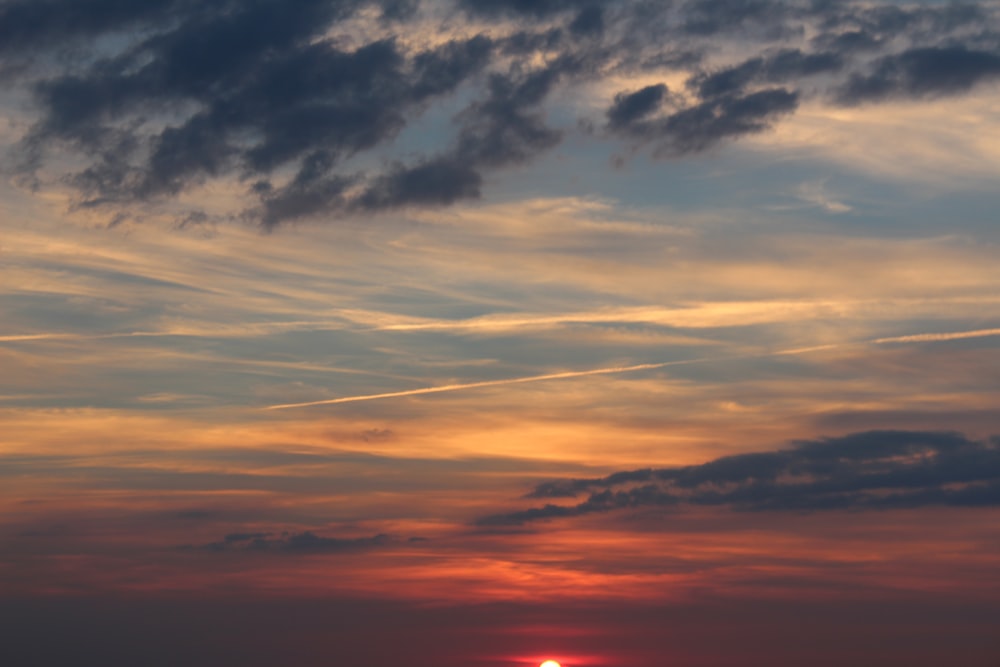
868,470
303,543
701,126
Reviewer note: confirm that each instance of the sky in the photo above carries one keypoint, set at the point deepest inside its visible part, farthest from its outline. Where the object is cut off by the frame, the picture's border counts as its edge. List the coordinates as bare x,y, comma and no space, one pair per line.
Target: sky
478,333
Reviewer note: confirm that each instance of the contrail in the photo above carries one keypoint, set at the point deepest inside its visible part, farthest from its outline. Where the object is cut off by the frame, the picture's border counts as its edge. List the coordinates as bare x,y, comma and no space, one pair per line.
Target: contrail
486,383
914,338
932,337
29,337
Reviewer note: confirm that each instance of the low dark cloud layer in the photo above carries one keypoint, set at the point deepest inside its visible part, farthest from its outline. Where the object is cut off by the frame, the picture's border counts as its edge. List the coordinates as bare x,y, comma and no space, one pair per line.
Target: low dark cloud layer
863,471
305,542
291,100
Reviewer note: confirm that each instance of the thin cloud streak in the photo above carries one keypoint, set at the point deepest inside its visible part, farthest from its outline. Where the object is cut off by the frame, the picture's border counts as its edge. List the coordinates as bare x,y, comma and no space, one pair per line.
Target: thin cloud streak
933,337
486,383
43,336
930,337
693,316
236,331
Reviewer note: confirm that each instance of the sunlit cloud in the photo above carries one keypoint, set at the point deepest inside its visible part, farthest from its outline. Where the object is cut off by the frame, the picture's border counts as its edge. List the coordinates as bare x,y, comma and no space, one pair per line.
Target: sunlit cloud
935,337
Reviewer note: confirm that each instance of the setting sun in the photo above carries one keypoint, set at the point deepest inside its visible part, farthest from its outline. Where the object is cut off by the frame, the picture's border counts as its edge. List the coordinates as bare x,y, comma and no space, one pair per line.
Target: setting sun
550,663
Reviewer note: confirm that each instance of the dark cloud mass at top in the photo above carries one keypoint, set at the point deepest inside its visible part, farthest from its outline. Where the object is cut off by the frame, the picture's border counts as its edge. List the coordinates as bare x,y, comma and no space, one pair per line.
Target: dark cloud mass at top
868,470
300,102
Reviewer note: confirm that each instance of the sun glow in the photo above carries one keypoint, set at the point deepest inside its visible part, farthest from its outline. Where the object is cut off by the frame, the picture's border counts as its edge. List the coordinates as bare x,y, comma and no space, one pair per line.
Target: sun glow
550,663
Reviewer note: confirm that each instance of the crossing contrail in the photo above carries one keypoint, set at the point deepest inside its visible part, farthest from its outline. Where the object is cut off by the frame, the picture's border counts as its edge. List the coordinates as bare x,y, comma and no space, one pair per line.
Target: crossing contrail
912,338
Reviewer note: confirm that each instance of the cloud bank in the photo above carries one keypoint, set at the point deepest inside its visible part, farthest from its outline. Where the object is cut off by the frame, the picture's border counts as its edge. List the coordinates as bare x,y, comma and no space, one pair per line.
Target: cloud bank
862,471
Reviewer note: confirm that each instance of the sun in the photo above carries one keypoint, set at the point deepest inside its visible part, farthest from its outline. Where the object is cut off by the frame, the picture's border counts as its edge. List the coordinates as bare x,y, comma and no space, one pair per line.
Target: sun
550,663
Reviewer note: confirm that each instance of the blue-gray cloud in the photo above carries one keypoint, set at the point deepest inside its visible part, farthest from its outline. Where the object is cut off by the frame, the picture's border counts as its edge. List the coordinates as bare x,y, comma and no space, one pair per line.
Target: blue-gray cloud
868,470
701,126
159,96
923,72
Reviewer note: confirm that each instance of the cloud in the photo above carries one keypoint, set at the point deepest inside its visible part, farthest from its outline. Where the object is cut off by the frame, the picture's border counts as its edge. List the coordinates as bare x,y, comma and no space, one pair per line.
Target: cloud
631,107
475,385
438,182
922,72
707,17
531,8
269,92
861,471
850,29
614,370
305,103
784,65
702,126
304,542
32,25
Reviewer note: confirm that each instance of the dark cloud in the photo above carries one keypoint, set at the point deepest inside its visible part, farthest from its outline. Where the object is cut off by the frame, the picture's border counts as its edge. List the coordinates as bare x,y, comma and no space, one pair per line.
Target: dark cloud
701,126
589,21
236,538
30,25
438,182
848,26
290,99
399,10
785,65
532,8
708,17
269,94
869,470
630,107
305,196
305,542
922,72
508,127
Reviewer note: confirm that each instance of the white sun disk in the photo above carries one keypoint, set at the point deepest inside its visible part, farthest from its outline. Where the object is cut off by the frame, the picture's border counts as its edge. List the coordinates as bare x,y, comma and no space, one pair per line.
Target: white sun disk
550,663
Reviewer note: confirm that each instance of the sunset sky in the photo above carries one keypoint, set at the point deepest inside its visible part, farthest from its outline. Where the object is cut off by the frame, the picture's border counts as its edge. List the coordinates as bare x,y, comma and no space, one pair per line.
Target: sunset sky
478,333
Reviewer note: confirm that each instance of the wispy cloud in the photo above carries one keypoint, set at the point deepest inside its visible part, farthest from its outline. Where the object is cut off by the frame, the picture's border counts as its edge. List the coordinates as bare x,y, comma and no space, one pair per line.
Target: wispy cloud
913,338
478,385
